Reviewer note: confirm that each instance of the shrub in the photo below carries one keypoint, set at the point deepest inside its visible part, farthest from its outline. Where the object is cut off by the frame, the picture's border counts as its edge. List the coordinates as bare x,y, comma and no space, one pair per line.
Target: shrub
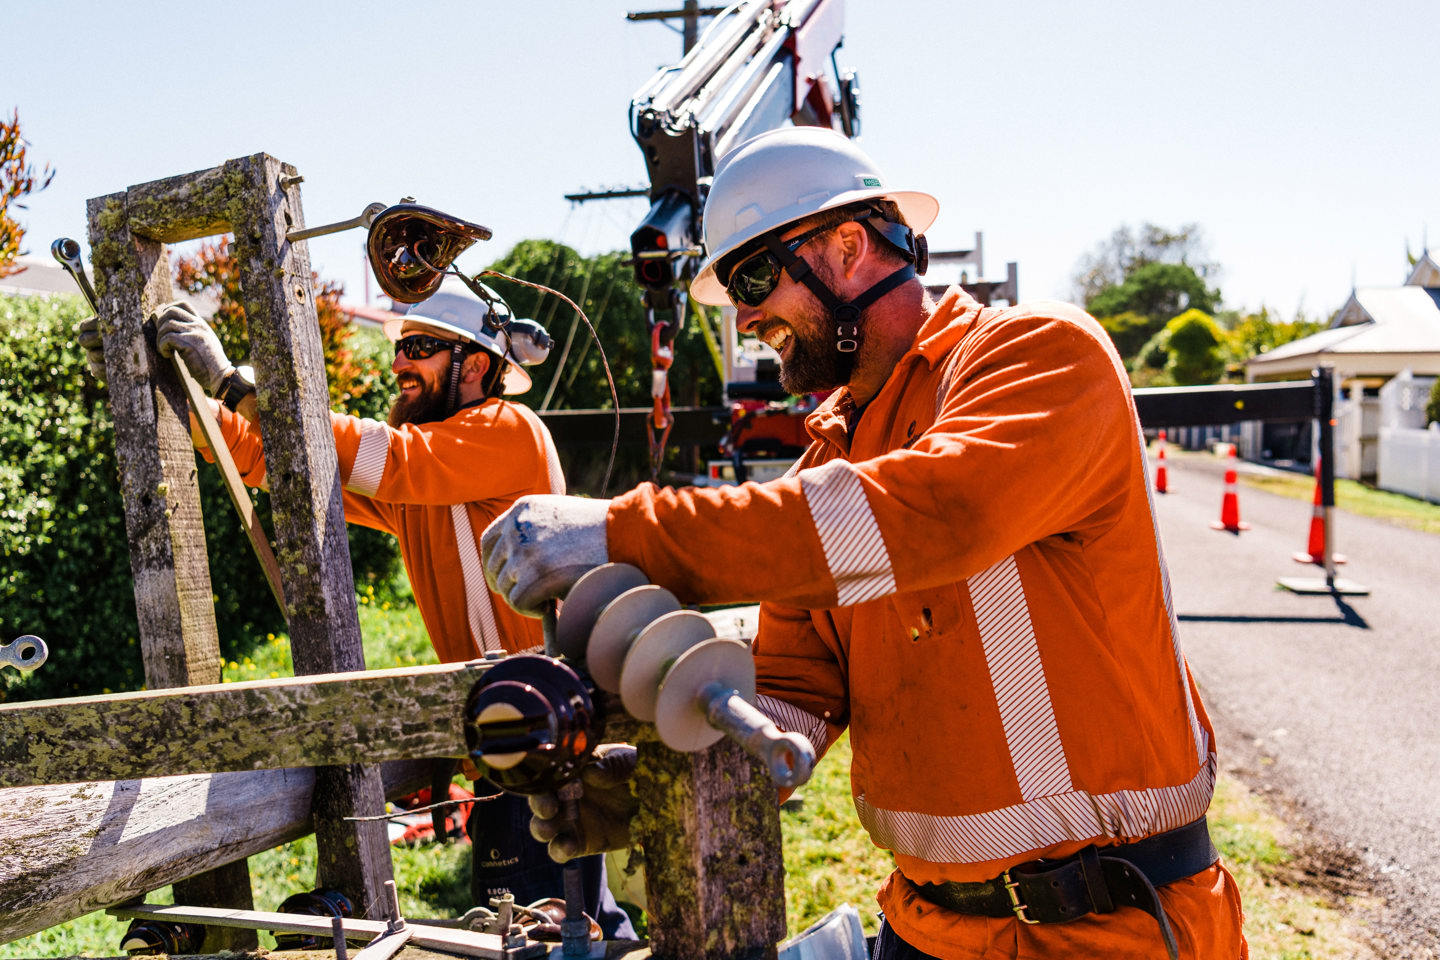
64,553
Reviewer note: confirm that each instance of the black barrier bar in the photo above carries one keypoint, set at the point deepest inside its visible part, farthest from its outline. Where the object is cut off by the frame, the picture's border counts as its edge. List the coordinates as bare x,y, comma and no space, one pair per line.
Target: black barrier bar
694,426
1158,406
1225,403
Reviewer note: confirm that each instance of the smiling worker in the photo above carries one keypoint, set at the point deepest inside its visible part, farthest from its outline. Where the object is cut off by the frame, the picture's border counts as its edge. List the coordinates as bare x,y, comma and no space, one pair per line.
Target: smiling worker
963,569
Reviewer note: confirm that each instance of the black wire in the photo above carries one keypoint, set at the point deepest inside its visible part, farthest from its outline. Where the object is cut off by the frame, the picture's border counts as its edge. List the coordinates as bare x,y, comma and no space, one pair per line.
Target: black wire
476,288
609,377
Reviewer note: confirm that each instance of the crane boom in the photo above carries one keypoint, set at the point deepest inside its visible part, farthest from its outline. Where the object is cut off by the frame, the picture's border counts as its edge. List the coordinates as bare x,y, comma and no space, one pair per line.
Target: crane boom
761,64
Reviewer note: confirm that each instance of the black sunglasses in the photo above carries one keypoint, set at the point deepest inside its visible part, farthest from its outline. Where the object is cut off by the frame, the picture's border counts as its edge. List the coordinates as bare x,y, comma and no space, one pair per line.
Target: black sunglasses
421,346
756,277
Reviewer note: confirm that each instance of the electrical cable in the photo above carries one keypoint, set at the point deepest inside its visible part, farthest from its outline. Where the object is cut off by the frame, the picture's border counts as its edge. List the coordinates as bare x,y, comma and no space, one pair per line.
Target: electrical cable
604,362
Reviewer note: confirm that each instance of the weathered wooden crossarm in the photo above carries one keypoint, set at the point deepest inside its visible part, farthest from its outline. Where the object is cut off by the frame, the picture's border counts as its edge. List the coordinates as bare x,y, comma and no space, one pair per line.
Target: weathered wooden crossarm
319,720
66,850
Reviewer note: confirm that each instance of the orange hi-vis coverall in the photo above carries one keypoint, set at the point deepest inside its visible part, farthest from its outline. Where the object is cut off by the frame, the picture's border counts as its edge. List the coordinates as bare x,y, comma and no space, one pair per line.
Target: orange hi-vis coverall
968,574
436,487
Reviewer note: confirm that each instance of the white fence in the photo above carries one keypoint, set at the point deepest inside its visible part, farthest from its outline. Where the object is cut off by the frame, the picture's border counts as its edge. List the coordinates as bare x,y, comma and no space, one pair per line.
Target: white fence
1409,455
1410,462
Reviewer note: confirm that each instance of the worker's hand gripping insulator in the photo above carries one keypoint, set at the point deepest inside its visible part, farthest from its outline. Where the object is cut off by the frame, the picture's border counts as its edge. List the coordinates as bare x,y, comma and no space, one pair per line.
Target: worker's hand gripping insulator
532,723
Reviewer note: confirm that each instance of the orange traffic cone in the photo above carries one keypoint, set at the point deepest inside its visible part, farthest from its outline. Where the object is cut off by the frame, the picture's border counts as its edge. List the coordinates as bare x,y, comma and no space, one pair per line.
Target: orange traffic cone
1315,550
1161,481
1230,504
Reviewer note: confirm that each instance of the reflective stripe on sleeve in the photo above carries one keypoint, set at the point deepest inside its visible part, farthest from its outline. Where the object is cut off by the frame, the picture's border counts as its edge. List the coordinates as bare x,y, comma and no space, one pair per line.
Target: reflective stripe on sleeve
1021,691
477,593
1040,823
792,719
1197,732
854,549
369,468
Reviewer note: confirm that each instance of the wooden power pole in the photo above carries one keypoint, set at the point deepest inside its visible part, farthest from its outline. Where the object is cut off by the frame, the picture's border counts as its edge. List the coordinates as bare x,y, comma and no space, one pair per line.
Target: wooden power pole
256,198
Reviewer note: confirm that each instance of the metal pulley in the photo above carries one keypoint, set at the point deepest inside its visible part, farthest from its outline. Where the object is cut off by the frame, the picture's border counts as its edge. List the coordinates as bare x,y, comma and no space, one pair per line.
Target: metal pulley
321,902
149,938
532,722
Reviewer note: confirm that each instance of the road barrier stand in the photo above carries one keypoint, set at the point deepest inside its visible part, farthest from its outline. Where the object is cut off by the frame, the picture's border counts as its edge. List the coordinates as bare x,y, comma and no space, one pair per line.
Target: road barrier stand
1314,551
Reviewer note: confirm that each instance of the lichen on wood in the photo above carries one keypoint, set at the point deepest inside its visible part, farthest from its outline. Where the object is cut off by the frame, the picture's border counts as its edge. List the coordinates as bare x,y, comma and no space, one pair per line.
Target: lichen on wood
290,722
174,599
710,826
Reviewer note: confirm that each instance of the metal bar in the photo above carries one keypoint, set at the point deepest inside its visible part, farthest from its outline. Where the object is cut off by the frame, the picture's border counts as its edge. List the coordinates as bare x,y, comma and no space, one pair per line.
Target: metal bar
1325,418
1225,403
465,942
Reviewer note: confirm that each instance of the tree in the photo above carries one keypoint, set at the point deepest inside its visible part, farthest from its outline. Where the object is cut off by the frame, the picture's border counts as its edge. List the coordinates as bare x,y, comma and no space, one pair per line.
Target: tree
1113,261
1252,334
1196,354
1136,284
1432,406
574,378
17,179
1159,291
1190,350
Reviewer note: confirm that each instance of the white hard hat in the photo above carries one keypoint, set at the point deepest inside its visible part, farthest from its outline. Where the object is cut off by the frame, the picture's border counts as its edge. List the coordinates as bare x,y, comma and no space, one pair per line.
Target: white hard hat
455,311
786,175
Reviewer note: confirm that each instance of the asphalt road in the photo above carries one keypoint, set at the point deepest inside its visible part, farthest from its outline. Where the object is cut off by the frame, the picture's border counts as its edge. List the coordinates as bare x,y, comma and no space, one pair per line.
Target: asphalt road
1328,704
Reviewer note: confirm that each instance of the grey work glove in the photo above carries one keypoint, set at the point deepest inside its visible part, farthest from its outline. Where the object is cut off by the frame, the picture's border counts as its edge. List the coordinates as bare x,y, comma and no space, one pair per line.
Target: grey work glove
536,550
179,330
606,808
88,336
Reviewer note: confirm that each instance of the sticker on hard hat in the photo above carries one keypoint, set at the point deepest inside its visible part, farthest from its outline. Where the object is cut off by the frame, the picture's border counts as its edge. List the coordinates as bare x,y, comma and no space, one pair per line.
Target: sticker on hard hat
869,182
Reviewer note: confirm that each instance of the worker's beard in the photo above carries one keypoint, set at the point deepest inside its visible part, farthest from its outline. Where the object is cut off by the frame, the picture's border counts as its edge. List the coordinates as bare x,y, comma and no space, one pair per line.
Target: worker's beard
425,407
813,363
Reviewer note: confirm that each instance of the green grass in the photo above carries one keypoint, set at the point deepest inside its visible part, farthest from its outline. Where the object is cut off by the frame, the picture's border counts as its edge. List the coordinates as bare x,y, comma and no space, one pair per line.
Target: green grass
1287,916
1356,498
431,881
829,860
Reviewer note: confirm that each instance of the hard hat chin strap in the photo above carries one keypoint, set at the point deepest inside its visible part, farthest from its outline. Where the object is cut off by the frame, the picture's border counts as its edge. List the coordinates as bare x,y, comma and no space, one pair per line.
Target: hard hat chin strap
452,389
846,314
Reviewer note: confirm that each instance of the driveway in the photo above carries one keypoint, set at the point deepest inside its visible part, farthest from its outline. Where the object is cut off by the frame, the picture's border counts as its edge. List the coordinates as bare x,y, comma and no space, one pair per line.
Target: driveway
1330,704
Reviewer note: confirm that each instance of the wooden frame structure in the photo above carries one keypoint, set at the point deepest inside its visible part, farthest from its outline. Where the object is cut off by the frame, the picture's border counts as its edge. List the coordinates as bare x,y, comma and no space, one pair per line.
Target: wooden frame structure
174,778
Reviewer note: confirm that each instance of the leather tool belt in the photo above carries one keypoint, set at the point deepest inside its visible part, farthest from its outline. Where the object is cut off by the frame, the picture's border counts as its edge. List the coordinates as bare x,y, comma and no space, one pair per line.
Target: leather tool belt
1095,880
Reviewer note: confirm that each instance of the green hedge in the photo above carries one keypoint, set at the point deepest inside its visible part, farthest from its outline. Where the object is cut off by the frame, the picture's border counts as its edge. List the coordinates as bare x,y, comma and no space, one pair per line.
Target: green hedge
64,554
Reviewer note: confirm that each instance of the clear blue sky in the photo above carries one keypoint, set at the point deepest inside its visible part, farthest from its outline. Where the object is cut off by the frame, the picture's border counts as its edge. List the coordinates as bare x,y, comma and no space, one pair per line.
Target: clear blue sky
1304,137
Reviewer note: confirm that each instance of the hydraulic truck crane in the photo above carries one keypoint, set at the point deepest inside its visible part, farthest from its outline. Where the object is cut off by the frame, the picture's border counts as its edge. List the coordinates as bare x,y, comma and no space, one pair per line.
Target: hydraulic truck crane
759,65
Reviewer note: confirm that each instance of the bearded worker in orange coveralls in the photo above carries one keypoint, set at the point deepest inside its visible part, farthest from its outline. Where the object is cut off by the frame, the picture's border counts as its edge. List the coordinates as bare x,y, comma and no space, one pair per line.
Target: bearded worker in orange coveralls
963,569
454,454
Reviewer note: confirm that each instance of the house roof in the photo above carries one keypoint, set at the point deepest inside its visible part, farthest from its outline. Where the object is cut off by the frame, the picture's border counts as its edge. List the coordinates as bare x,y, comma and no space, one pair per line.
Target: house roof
38,275
367,316
1388,320
1425,273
